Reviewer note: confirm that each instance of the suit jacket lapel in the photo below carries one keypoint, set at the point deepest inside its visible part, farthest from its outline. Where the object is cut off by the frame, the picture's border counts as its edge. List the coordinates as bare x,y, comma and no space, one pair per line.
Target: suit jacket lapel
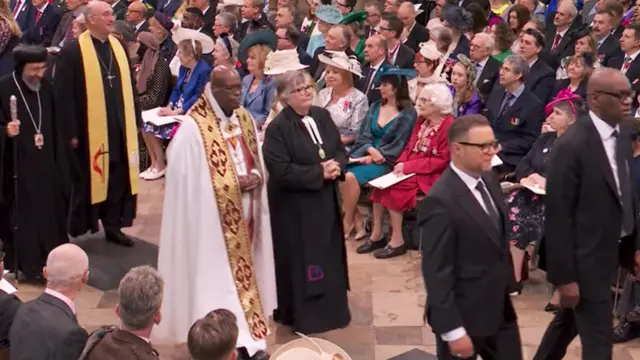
472,207
519,103
599,154
497,196
52,300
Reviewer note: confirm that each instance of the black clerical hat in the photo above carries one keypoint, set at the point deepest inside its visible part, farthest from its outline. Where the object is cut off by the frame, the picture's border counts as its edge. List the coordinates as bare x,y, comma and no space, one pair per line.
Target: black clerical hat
24,54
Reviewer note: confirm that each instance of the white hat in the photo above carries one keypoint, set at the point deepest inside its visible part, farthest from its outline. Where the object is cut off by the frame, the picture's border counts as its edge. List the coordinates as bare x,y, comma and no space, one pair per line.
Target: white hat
429,50
281,61
340,60
310,349
187,34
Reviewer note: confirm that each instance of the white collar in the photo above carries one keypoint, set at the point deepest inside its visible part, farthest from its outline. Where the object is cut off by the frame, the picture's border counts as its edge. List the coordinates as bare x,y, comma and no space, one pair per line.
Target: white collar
605,130
483,63
376,67
561,33
214,104
139,25
62,297
205,10
533,62
41,10
634,55
467,179
411,28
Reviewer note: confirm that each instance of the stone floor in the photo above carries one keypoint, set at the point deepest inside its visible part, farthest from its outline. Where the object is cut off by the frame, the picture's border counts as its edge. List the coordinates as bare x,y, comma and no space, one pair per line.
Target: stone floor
387,302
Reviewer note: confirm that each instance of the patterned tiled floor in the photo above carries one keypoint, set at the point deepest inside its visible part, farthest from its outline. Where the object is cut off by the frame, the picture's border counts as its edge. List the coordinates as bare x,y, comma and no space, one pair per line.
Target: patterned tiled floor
387,302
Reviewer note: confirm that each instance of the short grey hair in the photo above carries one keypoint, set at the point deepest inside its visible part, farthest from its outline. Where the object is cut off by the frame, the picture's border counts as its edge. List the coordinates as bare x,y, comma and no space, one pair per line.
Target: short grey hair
140,297
66,267
443,35
346,33
520,65
228,19
571,6
288,81
439,95
234,47
487,39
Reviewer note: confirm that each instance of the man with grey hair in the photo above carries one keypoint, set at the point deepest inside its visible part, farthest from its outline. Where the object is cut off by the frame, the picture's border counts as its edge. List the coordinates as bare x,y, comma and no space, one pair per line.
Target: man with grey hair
481,48
338,39
47,327
515,114
560,39
225,23
140,297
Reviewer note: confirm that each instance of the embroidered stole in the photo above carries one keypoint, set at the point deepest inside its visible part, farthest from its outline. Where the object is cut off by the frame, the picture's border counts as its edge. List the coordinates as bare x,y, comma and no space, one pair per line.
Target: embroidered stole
229,200
97,117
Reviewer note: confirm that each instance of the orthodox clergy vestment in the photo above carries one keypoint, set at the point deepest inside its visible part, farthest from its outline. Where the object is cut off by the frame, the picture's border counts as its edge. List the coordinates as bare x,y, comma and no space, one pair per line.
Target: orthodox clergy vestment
94,85
43,179
215,240
309,249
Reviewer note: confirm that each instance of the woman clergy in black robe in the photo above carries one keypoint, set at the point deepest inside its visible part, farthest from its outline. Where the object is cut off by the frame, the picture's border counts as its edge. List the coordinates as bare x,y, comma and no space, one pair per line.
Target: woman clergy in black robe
305,159
43,184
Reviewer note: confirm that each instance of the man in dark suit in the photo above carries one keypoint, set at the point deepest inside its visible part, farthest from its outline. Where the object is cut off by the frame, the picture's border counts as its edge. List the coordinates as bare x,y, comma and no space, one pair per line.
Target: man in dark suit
374,11
285,17
208,9
256,20
608,45
560,37
47,327
139,300
589,208
288,39
375,50
487,66
541,78
42,24
9,305
338,39
630,63
22,10
516,114
466,263
168,7
65,28
119,8
136,16
413,34
398,54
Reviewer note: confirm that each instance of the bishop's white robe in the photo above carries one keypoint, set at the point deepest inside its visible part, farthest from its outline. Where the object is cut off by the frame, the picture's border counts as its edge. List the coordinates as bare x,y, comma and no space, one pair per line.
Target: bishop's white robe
193,256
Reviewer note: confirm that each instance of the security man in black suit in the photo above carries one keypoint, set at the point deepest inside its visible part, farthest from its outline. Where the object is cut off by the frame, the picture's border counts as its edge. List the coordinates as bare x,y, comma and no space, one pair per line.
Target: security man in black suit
516,114
590,219
466,262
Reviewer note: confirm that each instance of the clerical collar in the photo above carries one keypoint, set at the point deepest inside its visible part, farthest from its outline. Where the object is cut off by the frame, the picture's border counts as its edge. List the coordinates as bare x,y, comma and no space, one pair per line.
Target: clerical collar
98,41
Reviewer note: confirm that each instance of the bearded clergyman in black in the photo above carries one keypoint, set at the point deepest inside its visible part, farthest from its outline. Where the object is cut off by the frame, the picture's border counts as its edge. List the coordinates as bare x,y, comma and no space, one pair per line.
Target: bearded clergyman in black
42,173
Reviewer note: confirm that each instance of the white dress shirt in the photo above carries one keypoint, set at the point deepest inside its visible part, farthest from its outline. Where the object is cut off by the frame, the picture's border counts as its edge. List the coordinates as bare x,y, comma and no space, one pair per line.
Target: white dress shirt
609,143
471,183
633,57
480,68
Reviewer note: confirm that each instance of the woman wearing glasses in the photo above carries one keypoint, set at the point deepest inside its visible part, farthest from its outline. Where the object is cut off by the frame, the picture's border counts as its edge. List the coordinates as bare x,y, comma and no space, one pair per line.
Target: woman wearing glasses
305,158
526,204
426,155
225,53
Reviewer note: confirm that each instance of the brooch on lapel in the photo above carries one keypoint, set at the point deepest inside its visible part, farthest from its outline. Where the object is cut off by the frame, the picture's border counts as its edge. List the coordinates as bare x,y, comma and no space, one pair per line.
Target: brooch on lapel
545,150
434,152
515,121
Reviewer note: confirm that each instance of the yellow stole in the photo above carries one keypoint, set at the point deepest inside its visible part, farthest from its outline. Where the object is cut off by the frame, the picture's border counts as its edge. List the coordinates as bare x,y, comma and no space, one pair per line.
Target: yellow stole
97,117
229,201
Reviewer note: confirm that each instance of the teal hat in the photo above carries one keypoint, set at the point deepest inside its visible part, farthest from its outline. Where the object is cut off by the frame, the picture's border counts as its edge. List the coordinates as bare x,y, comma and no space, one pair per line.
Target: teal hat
329,14
260,37
388,70
354,17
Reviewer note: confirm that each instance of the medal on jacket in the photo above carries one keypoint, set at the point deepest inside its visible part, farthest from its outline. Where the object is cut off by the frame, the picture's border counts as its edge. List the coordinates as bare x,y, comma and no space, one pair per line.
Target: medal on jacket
312,129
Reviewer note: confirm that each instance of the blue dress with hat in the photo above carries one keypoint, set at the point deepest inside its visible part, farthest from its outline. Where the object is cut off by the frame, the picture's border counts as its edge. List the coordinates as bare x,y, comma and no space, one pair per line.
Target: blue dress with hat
389,139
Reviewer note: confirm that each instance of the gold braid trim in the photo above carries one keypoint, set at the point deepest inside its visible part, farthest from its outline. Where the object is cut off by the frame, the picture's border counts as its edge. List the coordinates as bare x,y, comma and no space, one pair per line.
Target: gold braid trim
229,200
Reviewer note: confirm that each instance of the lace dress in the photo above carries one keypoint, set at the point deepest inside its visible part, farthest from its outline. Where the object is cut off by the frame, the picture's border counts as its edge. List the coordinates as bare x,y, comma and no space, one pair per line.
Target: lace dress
348,112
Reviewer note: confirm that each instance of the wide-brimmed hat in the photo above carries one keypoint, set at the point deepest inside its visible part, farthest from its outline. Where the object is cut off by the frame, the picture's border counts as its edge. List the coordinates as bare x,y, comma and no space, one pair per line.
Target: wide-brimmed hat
328,14
307,348
194,35
386,71
260,37
354,17
429,50
457,17
282,61
342,61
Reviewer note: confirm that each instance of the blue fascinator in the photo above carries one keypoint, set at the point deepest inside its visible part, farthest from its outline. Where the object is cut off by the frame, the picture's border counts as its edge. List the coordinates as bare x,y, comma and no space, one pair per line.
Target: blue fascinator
388,70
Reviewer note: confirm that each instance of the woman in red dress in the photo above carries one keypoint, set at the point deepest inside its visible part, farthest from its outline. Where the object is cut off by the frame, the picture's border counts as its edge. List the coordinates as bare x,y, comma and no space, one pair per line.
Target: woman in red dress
426,155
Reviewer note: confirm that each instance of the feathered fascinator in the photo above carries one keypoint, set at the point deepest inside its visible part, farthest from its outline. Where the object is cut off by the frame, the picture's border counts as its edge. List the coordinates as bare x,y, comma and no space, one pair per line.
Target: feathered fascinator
564,95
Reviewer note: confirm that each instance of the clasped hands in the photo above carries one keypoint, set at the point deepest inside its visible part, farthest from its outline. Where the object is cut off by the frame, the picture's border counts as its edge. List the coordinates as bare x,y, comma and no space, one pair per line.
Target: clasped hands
330,169
249,182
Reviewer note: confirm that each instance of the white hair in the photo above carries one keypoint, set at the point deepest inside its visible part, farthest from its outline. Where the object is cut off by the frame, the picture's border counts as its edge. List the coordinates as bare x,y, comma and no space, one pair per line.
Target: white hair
487,39
571,7
439,95
66,267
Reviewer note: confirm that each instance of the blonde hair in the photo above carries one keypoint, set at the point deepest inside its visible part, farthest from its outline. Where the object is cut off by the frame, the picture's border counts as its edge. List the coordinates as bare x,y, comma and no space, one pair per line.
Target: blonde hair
259,52
191,48
346,75
7,15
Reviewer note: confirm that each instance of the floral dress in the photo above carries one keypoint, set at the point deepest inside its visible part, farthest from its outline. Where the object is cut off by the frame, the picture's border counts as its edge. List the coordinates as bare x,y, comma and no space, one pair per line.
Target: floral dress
348,112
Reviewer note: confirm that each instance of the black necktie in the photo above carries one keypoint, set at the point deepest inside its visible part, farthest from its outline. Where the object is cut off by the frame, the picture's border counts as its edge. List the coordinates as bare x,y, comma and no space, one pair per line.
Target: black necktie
625,186
507,103
491,211
368,80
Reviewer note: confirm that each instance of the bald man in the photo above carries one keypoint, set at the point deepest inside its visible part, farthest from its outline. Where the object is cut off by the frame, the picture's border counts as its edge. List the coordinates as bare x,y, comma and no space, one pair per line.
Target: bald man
216,226
413,33
137,16
590,219
47,327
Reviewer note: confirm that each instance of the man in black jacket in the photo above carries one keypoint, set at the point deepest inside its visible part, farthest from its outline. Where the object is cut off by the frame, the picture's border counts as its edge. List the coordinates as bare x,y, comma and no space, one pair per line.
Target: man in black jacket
487,66
47,327
466,262
590,219
9,305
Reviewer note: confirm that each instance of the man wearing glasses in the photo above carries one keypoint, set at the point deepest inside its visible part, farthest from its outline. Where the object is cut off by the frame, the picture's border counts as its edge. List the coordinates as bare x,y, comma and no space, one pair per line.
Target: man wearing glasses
590,223
374,11
515,113
466,263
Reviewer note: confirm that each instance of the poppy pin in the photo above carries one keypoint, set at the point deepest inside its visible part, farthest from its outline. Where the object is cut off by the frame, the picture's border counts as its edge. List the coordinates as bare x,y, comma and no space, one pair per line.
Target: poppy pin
515,121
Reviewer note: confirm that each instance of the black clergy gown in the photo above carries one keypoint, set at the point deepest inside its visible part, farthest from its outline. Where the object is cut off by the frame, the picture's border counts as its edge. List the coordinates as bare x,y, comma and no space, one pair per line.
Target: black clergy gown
119,209
310,255
43,179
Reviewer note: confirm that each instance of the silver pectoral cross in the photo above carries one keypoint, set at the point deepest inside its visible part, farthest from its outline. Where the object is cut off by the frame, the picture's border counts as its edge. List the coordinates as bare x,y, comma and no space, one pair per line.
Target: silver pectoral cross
110,77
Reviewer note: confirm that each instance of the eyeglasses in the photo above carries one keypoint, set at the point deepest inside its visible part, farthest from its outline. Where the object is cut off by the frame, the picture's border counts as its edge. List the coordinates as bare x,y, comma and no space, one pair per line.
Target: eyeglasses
385,28
622,95
485,148
302,89
342,5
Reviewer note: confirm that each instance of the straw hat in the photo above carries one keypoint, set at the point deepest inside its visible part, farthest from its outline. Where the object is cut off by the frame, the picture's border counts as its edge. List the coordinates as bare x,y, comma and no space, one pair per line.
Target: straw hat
281,61
193,35
340,60
310,349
